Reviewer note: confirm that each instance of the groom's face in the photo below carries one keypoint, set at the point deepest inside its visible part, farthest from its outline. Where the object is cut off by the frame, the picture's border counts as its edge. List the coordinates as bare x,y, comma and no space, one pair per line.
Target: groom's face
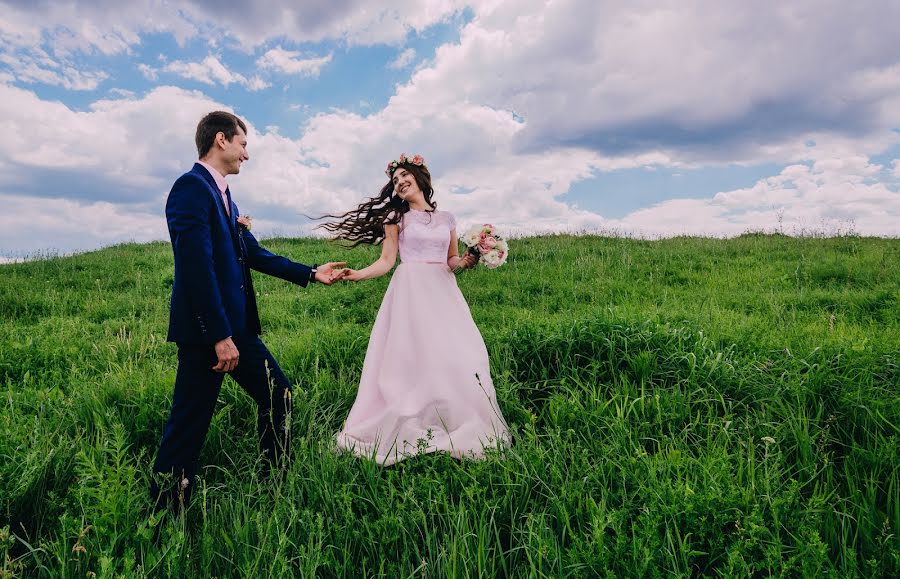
234,152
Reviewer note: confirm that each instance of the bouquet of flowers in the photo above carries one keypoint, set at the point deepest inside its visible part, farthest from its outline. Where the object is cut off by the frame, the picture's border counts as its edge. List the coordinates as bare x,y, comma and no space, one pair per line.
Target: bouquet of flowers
484,243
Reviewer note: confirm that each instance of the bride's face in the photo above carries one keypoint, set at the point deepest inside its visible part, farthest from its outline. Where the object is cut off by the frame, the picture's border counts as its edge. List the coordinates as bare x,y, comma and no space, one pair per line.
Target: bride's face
405,185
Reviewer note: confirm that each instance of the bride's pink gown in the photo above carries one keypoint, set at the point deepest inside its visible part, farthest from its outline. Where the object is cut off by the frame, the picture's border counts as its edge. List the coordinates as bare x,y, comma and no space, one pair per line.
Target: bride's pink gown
426,383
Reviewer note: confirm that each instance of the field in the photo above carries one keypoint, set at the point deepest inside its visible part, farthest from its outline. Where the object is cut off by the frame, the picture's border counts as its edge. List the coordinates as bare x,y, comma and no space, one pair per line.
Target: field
679,407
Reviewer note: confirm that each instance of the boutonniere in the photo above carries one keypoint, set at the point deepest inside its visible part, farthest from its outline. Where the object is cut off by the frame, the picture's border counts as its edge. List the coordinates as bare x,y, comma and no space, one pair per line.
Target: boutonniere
245,221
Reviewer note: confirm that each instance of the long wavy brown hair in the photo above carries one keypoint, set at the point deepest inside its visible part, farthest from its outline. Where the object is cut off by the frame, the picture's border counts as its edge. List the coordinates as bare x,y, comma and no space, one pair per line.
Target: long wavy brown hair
365,224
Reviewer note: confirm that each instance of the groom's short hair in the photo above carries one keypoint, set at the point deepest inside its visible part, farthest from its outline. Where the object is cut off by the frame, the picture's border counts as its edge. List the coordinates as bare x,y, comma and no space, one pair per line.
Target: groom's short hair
214,123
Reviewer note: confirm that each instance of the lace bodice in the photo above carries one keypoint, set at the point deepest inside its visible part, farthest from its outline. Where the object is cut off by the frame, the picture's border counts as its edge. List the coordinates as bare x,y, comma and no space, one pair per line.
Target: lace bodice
425,236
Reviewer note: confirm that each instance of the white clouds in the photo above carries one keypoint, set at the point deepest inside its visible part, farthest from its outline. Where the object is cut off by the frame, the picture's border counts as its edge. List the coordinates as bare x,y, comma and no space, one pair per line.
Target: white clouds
706,78
113,27
825,197
108,38
101,26
41,68
211,71
148,71
700,81
467,147
128,151
108,170
256,83
120,92
121,151
355,22
64,225
535,97
403,59
290,62
17,29
68,29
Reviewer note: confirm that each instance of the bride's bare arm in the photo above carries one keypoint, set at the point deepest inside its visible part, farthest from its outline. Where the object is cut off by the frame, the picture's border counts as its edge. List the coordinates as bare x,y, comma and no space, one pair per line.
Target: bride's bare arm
383,264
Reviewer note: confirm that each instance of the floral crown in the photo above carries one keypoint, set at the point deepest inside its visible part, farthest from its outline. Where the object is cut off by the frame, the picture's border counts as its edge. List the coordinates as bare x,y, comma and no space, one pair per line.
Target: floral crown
417,160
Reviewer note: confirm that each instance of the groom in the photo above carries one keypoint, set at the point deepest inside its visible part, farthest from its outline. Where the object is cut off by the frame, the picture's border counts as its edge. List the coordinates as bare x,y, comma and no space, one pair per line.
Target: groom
213,316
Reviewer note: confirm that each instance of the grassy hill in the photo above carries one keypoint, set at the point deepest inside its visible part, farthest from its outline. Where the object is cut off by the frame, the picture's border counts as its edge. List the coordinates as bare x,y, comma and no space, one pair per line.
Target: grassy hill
679,407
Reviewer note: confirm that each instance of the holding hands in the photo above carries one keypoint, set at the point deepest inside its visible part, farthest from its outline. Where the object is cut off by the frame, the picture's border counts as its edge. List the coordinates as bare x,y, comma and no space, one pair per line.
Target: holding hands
349,274
331,272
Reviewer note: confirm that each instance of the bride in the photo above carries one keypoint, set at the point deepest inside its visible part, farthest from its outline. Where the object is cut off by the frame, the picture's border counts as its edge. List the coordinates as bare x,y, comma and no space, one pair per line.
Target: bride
426,383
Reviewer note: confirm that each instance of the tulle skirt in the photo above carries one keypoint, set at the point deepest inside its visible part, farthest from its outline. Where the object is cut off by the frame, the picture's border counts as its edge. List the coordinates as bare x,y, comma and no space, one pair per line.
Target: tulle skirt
426,383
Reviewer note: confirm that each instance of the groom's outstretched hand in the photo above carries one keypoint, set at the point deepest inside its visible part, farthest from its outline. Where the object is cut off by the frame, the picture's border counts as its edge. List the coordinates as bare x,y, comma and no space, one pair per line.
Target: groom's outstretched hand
328,273
228,355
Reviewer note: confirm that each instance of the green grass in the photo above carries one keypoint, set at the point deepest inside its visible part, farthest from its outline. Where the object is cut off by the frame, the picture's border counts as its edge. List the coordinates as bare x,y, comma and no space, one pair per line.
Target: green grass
679,407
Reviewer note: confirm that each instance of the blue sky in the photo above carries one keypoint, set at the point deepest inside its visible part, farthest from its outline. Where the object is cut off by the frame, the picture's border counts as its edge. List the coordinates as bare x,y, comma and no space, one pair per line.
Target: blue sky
654,118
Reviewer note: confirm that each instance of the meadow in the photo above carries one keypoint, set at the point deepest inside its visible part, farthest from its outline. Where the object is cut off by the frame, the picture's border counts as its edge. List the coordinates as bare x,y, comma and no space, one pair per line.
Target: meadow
680,407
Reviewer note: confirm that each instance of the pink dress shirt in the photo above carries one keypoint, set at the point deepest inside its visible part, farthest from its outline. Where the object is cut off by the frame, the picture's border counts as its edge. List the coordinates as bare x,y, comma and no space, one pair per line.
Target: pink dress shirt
220,182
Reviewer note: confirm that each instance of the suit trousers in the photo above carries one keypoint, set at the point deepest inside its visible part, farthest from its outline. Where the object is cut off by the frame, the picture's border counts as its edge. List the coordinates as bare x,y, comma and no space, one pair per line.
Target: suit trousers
196,391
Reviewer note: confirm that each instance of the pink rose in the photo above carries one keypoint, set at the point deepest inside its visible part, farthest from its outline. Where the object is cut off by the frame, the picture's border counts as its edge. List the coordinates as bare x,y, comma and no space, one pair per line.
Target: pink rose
418,160
402,158
488,243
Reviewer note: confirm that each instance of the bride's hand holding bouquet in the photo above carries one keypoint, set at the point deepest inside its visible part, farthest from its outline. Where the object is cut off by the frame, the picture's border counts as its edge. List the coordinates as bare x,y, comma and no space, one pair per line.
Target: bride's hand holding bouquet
485,245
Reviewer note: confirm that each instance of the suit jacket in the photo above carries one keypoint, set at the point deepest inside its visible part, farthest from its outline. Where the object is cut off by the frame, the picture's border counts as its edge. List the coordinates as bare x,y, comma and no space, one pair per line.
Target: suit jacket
212,293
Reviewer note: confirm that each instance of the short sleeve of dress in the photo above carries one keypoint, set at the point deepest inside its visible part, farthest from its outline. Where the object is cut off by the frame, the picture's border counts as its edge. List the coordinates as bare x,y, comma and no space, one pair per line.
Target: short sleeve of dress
451,221
388,216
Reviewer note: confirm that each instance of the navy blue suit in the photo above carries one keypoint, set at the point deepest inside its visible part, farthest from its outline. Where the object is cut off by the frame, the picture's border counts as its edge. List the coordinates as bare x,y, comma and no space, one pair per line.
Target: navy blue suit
212,299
